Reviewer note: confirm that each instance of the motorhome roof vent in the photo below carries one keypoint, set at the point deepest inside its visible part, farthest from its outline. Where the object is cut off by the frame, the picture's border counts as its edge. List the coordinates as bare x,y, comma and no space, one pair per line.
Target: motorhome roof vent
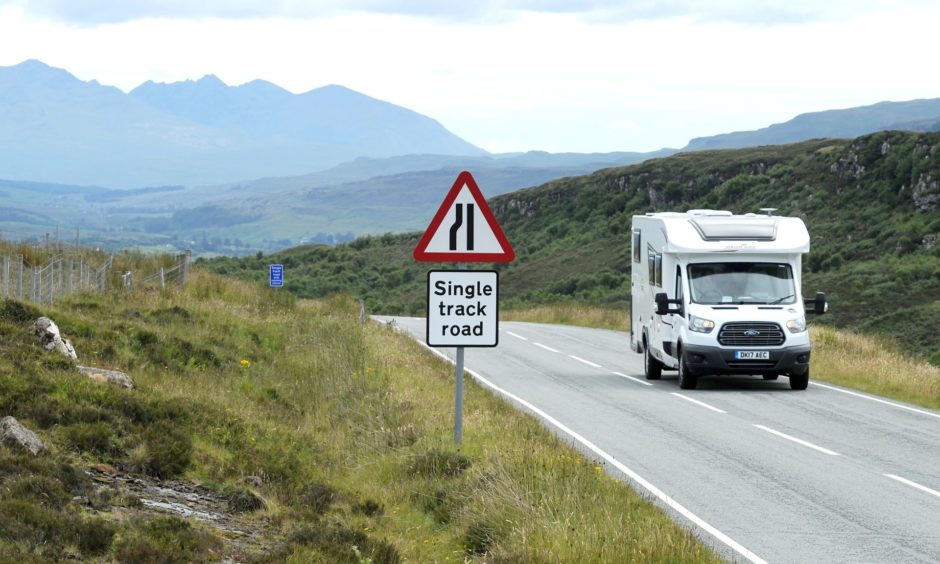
721,213
724,228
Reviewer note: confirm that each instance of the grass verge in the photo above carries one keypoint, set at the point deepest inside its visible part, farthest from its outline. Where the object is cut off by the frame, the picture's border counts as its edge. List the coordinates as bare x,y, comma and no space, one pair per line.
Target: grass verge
332,439
571,314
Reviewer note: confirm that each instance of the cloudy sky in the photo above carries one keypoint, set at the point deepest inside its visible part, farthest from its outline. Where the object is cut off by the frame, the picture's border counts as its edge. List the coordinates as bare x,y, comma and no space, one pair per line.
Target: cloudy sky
513,75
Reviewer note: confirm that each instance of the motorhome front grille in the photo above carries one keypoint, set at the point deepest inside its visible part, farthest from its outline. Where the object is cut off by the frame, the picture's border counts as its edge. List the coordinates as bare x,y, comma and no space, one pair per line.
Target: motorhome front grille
751,335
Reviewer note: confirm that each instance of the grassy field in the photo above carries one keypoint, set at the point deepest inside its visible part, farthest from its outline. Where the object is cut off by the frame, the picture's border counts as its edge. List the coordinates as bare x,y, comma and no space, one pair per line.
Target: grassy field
572,314
873,365
330,439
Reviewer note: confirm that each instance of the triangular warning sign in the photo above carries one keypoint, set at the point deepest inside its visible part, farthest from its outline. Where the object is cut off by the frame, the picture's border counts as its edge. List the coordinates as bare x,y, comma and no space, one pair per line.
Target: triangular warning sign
464,229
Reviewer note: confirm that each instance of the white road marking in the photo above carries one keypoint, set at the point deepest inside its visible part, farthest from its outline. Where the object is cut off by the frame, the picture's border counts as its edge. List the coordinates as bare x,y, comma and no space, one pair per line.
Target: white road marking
798,441
701,403
637,380
659,494
913,484
879,400
550,349
588,362
516,336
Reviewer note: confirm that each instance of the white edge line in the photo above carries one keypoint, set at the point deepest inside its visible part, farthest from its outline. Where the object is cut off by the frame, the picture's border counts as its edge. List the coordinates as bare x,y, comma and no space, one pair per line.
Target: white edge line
798,441
913,484
701,403
546,347
637,380
879,400
588,362
725,539
516,336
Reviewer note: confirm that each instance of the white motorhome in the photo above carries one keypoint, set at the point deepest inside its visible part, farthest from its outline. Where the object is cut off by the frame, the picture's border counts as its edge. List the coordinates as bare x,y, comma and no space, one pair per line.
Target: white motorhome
716,293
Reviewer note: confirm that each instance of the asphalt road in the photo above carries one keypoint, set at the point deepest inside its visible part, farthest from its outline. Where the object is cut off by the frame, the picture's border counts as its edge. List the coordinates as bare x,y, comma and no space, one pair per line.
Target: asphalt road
760,472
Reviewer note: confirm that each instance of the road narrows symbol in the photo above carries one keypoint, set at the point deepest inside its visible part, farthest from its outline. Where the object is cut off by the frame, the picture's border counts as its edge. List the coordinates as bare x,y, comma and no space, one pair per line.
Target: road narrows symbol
458,223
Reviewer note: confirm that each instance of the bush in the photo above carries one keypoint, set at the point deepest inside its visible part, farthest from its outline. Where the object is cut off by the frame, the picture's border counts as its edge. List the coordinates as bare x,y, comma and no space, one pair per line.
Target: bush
95,438
438,463
316,497
339,544
167,540
169,450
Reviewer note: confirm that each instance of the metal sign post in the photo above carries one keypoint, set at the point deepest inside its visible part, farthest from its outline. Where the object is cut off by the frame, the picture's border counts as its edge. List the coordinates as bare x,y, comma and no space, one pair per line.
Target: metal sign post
458,392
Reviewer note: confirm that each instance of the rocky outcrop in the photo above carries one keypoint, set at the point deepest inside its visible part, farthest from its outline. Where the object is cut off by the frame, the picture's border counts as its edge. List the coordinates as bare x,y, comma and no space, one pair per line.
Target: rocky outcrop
926,193
51,339
12,432
108,376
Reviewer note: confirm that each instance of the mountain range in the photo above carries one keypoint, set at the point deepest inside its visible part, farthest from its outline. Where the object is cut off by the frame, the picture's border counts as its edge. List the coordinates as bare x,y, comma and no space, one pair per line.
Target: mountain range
57,128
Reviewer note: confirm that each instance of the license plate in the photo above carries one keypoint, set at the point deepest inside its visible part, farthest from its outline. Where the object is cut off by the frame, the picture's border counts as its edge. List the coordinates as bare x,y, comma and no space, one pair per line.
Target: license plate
752,355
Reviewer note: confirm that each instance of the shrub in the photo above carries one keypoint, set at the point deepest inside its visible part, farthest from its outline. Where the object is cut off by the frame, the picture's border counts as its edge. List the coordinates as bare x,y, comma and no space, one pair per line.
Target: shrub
316,497
338,544
95,438
169,450
167,540
438,463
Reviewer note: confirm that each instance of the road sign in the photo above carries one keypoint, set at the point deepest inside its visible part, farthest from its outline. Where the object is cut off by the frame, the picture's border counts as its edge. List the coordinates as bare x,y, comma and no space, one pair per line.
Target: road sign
463,308
276,275
464,229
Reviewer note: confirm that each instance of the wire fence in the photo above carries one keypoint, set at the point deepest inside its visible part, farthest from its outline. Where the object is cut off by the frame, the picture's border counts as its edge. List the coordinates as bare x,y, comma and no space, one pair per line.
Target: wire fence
70,274
166,276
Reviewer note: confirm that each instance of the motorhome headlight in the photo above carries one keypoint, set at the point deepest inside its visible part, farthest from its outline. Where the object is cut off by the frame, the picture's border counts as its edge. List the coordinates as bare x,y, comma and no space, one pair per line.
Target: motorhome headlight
700,325
797,325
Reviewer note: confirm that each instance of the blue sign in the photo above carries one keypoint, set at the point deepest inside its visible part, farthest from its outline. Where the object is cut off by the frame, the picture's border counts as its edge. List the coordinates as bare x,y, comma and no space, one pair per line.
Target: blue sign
277,275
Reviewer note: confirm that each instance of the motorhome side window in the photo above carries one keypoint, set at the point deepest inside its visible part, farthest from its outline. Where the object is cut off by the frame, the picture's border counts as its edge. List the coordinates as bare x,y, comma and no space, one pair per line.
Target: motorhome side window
655,266
637,251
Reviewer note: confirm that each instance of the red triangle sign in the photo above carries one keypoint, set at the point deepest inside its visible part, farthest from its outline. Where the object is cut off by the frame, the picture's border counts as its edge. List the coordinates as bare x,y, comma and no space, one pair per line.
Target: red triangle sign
457,234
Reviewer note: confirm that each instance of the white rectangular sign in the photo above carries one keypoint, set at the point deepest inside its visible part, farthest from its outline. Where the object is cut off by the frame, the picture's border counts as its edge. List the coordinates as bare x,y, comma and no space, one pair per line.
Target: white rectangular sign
463,308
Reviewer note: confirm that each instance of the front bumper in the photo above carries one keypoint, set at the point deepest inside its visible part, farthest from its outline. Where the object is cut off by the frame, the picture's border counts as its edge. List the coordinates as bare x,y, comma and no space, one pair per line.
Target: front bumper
701,360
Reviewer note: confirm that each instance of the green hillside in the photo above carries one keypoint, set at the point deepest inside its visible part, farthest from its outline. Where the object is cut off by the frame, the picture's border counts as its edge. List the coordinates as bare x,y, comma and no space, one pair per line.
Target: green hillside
871,206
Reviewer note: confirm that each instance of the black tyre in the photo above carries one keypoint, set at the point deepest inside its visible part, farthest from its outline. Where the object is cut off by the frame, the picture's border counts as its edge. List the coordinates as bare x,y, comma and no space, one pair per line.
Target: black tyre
687,380
652,367
799,382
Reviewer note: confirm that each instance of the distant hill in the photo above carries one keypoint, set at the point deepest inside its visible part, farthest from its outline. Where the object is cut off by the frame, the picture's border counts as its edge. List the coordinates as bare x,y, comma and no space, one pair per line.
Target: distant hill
361,197
872,206
57,128
915,115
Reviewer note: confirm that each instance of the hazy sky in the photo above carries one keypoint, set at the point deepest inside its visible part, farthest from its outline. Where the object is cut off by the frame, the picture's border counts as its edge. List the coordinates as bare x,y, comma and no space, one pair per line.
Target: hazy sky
512,75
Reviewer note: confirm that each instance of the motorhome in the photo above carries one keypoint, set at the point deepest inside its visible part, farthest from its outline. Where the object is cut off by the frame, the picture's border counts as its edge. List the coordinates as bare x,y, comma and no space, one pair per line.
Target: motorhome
715,293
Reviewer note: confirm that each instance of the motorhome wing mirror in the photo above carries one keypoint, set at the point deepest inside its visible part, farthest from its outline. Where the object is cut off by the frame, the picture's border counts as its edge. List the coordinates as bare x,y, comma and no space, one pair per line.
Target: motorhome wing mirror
817,305
662,304
821,306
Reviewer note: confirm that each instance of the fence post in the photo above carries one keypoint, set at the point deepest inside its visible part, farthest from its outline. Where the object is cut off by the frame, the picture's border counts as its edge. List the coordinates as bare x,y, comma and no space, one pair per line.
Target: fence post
37,283
184,267
19,281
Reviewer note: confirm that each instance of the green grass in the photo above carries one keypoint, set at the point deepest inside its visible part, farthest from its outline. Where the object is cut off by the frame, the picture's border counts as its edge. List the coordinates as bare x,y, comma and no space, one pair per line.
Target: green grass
572,314
346,427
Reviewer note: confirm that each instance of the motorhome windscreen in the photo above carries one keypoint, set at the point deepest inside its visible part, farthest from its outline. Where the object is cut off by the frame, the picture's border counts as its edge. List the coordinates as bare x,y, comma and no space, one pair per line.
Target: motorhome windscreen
765,283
